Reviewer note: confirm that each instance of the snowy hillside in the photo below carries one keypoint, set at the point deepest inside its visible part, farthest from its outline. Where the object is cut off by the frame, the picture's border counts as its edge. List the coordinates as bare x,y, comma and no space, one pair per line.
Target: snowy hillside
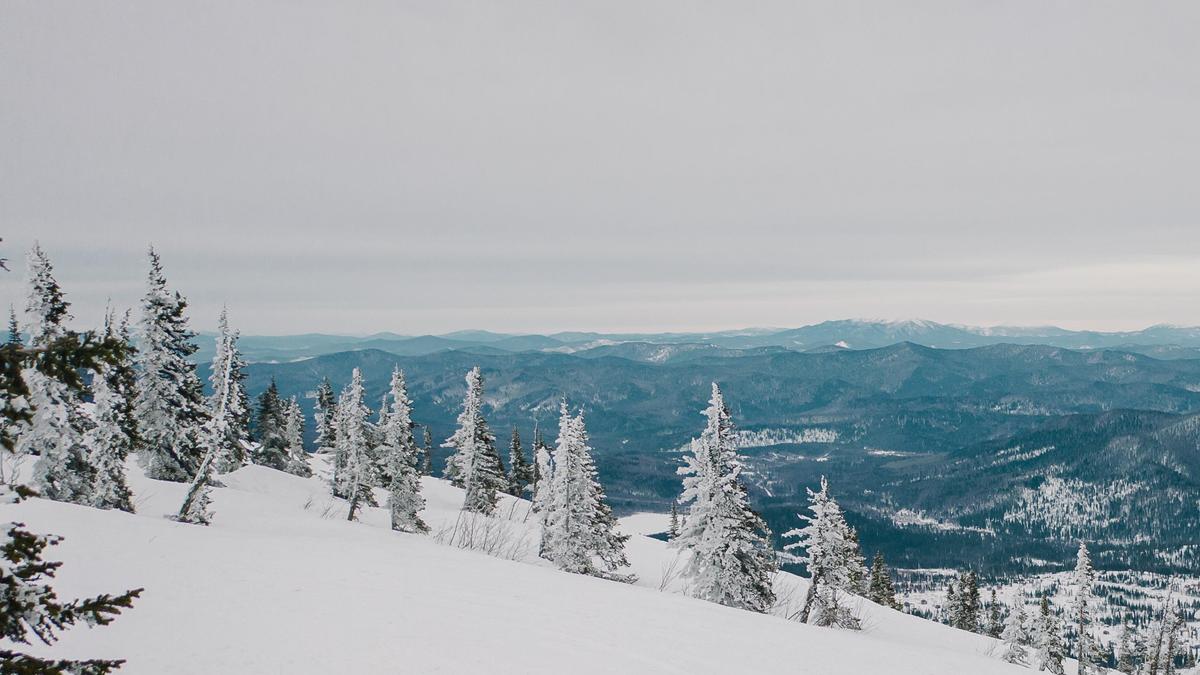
281,583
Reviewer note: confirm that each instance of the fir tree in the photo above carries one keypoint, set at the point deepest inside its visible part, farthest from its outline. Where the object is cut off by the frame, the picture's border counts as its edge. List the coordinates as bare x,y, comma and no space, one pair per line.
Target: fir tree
325,415
46,307
400,448
828,555
1016,636
229,397
14,329
858,572
33,610
673,525
520,470
965,615
293,433
56,435
1083,582
108,445
881,590
170,408
543,471
732,562
217,433
1048,640
427,454
475,465
578,527
269,427
354,479
995,626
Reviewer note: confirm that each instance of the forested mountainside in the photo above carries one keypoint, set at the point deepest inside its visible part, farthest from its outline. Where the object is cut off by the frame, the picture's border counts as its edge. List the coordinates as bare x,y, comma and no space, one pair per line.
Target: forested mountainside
997,456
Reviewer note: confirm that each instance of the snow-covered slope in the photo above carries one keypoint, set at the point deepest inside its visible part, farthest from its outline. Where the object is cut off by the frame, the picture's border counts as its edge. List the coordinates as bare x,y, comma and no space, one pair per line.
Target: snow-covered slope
281,583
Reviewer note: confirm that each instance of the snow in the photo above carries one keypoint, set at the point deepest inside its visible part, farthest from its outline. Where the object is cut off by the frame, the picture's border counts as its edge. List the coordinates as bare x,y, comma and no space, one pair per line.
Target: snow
281,583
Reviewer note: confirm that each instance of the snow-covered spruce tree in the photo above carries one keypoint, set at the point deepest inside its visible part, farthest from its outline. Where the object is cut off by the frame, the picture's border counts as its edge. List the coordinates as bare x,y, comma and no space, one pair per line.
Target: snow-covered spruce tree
400,449
293,433
217,433
171,411
732,562
1050,648
881,590
520,473
475,465
56,434
673,523
964,612
1083,583
859,573
108,444
354,480
427,453
31,608
47,309
578,527
269,425
1016,636
229,397
543,471
828,555
325,415
995,625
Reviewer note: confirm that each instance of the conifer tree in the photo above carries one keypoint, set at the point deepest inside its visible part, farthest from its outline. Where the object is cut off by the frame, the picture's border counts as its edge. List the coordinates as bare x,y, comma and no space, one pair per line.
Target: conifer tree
56,432
858,573
325,415
31,608
354,479
108,445
1016,636
732,562
951,608
121,371
400,448
543,471
828,555
14,329
171,411
964,614
229,397
222,425
269,428
673,525
881,590
427,454
293,433
995,626
1083,582
578,527
520,470
47,309
1048,640
475,465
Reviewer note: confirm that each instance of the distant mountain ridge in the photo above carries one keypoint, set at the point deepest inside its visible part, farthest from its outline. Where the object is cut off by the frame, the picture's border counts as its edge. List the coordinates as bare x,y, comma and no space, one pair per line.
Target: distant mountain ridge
1160,341
988,456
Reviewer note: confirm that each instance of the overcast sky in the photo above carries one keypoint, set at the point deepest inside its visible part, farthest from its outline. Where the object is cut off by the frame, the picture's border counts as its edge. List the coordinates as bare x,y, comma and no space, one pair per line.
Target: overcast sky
519,166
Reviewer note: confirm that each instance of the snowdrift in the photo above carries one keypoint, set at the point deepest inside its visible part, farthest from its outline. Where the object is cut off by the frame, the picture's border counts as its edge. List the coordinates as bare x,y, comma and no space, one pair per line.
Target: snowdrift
281,583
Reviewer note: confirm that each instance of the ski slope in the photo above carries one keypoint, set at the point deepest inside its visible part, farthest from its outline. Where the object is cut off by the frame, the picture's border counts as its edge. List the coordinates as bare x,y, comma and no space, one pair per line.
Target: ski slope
281,583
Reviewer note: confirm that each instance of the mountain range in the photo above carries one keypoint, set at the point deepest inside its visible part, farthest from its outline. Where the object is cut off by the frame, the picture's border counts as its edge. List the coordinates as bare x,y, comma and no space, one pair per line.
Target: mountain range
1162,341
998,457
